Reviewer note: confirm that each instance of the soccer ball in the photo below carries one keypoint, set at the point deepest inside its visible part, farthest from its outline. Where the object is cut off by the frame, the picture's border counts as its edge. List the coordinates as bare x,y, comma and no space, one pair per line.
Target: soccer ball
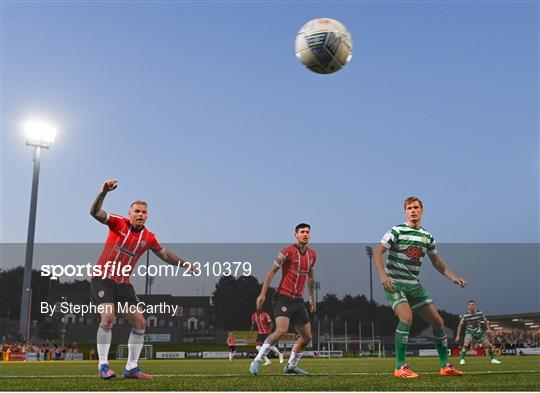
323,45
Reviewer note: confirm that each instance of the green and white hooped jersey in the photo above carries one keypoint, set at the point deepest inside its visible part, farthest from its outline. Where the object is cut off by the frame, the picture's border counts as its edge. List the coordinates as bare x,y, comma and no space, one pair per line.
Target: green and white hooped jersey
406,246
474,322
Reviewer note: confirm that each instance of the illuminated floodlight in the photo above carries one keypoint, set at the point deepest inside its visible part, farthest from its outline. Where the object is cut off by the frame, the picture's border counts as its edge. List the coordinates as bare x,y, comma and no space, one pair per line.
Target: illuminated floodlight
39,133
498,328
528,323
515,320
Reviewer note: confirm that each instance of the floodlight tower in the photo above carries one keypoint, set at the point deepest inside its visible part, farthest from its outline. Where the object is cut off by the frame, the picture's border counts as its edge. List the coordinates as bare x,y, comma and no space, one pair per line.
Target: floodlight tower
39,135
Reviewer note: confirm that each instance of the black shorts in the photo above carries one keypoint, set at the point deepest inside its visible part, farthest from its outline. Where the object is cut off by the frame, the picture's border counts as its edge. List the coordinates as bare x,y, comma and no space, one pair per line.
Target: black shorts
109,291
232,349
294,309
261,337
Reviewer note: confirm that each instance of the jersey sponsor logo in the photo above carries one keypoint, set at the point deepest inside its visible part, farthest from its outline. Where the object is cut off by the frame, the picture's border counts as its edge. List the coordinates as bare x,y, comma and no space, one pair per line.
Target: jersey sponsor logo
124,251
415,253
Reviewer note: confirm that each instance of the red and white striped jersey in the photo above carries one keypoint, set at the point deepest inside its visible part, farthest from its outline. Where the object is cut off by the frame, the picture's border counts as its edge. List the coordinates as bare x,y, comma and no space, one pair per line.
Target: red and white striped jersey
263,322
123,247
295,267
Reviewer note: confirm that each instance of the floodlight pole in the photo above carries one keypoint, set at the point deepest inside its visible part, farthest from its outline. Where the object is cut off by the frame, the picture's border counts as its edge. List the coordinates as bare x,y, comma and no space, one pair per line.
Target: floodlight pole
24,319
146,278
369,252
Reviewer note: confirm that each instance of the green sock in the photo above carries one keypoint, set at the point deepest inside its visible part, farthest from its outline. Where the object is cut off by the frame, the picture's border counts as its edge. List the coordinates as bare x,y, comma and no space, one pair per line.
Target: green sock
463,353
490,353
401,339
441,343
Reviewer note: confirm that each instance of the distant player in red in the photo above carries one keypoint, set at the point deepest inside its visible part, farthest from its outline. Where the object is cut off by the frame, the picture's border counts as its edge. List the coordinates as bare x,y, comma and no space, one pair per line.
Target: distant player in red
127,240
231,342
297,263
262,321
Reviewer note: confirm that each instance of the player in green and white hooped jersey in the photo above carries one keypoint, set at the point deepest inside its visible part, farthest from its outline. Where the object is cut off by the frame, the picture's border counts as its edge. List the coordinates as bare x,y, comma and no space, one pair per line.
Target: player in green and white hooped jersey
407,244
476,326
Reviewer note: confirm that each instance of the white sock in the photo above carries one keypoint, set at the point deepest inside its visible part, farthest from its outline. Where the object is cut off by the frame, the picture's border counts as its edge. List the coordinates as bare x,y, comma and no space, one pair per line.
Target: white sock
295,357
274,349
258,347
135,343
265,348
104,335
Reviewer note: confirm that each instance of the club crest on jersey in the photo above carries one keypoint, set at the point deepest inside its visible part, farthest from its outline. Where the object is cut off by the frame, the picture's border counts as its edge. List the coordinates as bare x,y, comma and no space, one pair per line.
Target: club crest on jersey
284,309
101,293
415,253
143,243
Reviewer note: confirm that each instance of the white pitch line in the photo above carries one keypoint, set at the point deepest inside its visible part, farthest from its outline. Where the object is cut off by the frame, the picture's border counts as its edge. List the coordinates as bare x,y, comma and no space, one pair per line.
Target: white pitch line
273,375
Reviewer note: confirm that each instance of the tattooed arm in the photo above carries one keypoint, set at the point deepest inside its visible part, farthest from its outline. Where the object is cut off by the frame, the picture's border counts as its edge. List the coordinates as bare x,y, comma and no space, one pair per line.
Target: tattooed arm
95,210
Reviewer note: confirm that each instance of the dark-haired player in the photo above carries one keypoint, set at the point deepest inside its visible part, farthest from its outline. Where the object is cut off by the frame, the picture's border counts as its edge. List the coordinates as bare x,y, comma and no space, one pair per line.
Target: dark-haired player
297,262
476,325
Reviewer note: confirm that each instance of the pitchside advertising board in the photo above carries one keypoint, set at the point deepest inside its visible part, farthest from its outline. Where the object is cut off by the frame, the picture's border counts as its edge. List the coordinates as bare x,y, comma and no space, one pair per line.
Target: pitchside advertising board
241,354
157,338
170,355
429,352
243,337
33,357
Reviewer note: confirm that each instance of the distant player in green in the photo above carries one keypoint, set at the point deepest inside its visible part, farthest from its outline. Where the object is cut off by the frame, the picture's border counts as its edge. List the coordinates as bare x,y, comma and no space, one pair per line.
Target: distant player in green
406,245
476,326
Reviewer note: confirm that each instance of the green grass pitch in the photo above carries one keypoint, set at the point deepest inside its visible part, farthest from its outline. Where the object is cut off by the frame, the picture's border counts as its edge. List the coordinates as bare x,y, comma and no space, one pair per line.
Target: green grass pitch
515,373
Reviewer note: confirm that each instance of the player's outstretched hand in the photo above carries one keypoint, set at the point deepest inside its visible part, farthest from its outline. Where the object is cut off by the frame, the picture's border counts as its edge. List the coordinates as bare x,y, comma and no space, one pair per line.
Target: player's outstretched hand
109,185
460,281
260,301
193,271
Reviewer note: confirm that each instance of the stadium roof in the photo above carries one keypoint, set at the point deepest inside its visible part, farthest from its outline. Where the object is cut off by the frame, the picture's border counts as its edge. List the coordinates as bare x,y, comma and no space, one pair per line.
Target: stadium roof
520,321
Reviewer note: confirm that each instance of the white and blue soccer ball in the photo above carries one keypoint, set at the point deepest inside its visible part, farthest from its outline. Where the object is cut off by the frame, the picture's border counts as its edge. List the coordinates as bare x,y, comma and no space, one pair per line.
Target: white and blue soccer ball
324,45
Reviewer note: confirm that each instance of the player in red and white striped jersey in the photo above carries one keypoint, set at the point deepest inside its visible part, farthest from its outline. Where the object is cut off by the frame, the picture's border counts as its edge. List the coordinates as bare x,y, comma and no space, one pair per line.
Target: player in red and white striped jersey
297,263
262,321
127,240
231,342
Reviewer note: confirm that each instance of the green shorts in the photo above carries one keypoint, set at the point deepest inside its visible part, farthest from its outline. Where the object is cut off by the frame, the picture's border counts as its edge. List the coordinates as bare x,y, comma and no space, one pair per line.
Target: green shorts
475,337
414,294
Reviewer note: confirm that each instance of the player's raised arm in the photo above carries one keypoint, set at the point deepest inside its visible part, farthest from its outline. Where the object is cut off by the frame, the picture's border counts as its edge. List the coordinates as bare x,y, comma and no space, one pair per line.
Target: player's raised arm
95,210
443,268
379,264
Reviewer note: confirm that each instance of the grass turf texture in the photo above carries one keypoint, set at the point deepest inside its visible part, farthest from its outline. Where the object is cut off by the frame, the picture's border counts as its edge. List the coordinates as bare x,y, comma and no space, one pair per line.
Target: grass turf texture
515,373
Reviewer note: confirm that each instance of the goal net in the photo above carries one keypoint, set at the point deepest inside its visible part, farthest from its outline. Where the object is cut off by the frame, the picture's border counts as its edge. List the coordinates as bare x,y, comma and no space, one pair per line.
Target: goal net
147,352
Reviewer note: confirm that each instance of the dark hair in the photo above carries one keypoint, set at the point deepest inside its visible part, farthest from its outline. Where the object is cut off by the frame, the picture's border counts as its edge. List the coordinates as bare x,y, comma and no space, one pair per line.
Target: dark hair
138,203
471,301
301,226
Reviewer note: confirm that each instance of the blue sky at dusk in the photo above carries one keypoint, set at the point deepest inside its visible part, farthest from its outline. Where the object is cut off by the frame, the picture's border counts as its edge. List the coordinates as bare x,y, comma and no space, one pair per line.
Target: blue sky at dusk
203,110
